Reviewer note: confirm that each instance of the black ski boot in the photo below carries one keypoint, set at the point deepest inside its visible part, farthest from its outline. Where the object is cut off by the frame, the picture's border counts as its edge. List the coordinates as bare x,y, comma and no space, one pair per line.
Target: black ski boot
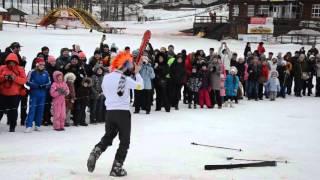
94,156
117,170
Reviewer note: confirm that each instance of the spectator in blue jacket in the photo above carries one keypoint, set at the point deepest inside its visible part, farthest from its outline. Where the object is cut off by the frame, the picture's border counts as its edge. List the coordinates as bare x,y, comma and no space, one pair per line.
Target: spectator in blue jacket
39,83
143,99
232,85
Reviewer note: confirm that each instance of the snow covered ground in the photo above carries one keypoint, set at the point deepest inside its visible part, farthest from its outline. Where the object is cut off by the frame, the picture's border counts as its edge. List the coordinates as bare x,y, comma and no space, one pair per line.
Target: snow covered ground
160,144
160,149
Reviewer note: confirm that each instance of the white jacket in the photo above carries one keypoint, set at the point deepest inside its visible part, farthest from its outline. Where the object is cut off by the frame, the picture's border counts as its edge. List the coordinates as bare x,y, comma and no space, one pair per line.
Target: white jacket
225,58
110,85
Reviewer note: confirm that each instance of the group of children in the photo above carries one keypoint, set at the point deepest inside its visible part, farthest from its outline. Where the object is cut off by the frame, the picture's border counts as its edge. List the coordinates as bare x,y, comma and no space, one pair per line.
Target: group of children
69,86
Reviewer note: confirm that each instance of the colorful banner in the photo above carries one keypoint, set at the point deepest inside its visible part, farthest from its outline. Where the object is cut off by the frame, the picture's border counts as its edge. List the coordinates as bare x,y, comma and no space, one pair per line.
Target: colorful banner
260,29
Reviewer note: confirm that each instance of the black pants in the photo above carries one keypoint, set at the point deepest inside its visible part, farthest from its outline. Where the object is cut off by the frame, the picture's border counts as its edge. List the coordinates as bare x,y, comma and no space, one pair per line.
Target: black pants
193,97
185,94
260,91
289,81
117,121
215,98
307,85
47,111
9,105
142,100
23,109
162,99
80,113
297,86
176,94
318,87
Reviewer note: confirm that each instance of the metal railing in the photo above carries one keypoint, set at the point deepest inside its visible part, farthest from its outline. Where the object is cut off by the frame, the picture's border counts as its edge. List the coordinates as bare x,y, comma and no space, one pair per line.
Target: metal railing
210,19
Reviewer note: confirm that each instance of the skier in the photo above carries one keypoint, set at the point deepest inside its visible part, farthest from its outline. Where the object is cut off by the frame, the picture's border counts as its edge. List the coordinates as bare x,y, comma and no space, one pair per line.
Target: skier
116,87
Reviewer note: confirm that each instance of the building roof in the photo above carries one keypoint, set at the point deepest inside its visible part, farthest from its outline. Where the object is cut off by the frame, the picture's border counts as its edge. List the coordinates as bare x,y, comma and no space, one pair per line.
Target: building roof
14,11
3,10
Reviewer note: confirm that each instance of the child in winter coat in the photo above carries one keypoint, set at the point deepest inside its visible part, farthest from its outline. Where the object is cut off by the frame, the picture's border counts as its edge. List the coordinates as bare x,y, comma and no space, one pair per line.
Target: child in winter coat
231,85
204,97
70,78
59,90
39,82
193,85
82,101
97,106
273,85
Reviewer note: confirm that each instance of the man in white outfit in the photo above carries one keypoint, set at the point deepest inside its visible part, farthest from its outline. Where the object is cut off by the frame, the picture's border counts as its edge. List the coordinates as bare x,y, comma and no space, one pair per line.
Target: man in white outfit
116,88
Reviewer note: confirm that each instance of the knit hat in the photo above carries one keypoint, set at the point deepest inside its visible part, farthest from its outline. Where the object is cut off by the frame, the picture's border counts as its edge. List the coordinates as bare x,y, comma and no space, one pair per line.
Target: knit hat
40,61
51,59
82,55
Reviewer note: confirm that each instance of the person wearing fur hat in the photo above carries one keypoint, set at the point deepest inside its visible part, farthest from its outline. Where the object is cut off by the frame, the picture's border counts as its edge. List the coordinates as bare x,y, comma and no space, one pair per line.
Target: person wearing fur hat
59,90
231,85
115,87
69,78
273,85
97,97
39,83
12,80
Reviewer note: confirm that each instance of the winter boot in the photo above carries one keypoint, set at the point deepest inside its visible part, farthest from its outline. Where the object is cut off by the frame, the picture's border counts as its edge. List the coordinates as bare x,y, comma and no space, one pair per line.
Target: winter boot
28,130
37,128
231,104
117,170
189,106
94,156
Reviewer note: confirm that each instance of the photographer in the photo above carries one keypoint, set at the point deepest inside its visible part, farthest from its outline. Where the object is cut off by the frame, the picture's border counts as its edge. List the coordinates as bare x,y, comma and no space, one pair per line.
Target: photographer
12,79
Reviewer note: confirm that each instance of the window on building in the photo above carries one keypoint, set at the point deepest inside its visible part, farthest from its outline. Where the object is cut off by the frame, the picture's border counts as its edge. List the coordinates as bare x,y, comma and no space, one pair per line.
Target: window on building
236,10
315,13
250,10
264,10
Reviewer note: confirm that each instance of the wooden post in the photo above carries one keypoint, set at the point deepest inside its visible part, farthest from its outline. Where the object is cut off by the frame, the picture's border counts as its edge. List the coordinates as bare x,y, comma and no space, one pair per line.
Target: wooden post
1,22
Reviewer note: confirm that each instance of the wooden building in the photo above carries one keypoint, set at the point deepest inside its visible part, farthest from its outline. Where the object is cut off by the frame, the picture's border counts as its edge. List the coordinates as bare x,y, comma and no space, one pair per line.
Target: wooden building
285,15
14,14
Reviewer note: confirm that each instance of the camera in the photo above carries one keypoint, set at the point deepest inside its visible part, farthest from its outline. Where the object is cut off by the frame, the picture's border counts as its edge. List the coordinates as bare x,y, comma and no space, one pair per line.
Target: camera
8,77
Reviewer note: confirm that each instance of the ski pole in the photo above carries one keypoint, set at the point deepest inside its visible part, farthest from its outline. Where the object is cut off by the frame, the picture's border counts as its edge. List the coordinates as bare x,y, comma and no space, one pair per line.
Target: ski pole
219,147
255,160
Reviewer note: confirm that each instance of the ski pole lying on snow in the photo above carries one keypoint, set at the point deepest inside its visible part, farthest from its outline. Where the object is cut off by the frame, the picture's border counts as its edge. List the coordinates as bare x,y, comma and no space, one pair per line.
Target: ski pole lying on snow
243,165
219,147
256,160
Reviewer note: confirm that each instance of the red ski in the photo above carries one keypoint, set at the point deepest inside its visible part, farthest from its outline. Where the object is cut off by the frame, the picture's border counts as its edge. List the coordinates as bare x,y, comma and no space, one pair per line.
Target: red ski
145,40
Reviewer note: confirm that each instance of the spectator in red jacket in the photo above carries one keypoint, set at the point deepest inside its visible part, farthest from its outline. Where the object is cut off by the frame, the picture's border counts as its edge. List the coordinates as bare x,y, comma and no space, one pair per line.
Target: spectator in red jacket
261,50
12,80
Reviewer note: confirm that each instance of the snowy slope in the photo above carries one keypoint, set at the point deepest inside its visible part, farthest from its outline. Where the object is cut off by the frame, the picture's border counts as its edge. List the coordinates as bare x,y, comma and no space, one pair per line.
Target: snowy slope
164,33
